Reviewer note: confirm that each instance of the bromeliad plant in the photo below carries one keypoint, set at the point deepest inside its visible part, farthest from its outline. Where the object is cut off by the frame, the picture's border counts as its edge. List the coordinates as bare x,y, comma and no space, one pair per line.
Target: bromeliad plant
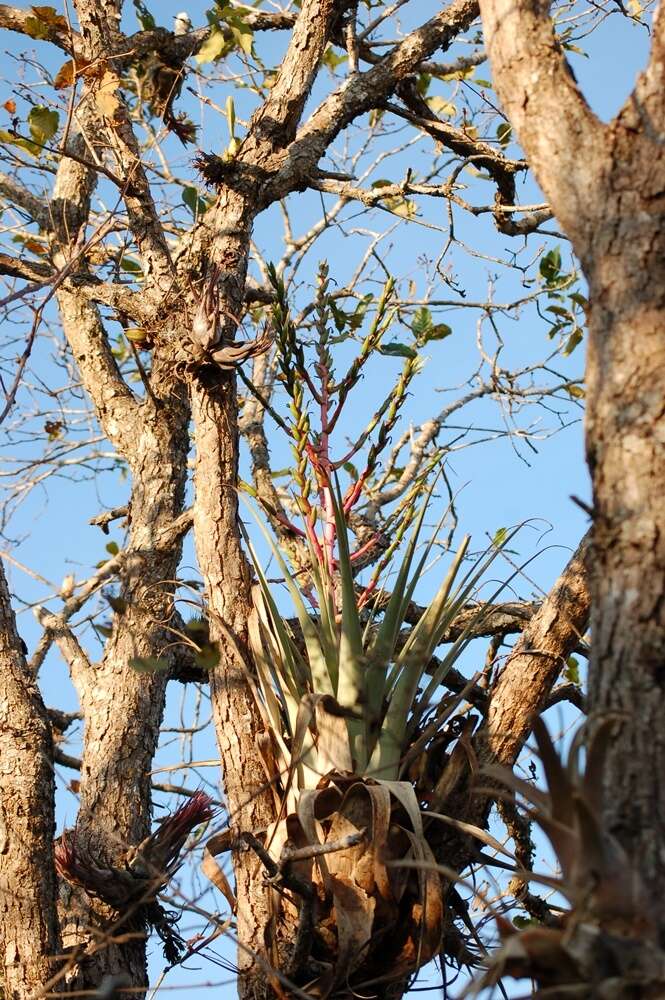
344,693
344,696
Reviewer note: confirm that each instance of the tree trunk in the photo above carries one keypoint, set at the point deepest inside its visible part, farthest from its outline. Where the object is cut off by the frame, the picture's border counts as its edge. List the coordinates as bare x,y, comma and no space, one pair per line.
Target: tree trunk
606,185
626,452
237,721
123,706
28,915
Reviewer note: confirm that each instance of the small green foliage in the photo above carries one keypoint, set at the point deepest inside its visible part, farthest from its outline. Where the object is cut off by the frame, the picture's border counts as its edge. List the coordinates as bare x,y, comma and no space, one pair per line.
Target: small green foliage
194,202
43,123
144,17
425,329
523,922
575,338
397,350
332,59
550,266
572,671
43,21
131,266
219,43
503,133
567,308
9,139
442,106
213,48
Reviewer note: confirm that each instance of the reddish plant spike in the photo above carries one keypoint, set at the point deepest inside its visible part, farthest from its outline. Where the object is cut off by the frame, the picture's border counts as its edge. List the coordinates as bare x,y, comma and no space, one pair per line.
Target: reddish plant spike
164,845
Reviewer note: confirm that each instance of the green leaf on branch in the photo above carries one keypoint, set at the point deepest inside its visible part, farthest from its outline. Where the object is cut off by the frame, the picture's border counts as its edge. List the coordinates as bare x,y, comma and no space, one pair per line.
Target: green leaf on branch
572,671
194,202
44,21
440,106
422,322
214,46
396,350
43,124
131,266
243,36
572,342
144,17
333,59
425,330
438,332
17,140
524,922
401,206
559,311
550,265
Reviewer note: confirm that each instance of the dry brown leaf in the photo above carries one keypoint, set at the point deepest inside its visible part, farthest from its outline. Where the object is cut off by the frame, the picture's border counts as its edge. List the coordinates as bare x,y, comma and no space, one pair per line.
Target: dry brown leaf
34,246
218,844
50,16
65,76
69,71
106,95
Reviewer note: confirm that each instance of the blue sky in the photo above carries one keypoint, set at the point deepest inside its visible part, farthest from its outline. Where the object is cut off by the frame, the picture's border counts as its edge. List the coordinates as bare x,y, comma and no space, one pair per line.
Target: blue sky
498,484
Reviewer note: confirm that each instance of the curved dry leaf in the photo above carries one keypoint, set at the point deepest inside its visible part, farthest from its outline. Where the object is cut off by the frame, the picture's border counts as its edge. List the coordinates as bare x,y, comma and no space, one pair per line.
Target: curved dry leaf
428,911
234,354
106,95
219,844
306,810
404,792
354,917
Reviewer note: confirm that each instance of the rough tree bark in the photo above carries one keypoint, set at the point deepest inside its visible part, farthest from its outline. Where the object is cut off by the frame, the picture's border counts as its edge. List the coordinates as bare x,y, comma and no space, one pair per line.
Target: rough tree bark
29,933
122,707
606,185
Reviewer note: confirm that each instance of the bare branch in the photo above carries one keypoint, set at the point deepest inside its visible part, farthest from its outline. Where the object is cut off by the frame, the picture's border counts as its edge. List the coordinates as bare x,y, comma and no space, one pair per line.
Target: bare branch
540,95
523,687
277,119
363,92
32,270
56,31
18,195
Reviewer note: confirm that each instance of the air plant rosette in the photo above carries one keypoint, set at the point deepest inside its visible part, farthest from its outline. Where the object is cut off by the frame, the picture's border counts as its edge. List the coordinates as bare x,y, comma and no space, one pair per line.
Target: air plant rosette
131,883
344,704
603,940
346,696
